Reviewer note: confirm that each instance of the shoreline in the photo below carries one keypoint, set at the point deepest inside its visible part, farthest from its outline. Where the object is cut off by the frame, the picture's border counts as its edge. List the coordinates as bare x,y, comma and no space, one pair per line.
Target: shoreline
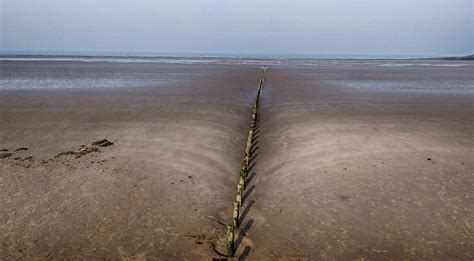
203,58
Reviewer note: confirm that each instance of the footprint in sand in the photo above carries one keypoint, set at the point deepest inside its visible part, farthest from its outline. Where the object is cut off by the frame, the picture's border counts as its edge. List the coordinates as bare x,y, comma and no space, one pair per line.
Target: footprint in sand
5,155
102,143
84,150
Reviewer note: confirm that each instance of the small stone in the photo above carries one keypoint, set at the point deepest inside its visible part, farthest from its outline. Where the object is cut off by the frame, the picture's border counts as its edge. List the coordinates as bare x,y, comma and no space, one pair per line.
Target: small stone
428,159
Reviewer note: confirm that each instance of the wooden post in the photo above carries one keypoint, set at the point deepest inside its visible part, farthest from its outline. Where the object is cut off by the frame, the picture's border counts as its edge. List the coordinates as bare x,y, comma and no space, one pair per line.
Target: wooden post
238,198
242,182
243,171
229,233
235,214
248,147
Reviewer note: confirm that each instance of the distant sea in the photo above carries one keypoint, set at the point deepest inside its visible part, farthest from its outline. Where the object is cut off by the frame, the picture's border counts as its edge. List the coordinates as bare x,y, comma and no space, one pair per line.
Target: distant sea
31,74
40,54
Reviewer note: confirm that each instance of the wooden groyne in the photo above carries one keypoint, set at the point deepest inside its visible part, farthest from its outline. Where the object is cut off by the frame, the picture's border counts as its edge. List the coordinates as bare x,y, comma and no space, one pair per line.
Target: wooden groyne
237,204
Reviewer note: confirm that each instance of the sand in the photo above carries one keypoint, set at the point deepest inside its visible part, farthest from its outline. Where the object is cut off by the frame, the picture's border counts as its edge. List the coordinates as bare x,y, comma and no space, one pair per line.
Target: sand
348,168
353,159
156,192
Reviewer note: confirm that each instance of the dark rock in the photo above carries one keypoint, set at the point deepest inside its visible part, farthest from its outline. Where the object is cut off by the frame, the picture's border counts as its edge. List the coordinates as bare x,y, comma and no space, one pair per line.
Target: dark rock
22,148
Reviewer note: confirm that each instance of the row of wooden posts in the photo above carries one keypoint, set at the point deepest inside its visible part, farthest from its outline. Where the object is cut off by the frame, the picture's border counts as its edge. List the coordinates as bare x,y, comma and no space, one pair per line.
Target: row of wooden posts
237,204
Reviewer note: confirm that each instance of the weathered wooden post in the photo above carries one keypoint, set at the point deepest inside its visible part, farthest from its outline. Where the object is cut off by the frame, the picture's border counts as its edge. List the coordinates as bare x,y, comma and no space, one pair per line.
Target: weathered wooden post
238,198
254,113
242,182
229,233
243,174
248,147
235,214
243,171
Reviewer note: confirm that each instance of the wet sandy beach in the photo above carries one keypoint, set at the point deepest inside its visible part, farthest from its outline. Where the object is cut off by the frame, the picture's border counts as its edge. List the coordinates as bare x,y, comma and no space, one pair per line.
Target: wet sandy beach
156,192
352,159
348,166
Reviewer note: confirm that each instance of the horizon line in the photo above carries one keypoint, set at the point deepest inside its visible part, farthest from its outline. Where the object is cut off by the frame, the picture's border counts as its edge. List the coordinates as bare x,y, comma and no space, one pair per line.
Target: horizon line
256,55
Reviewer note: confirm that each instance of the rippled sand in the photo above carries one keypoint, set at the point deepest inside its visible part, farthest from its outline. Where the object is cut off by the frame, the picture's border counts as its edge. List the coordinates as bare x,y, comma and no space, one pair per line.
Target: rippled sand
156,192
348,170
353,159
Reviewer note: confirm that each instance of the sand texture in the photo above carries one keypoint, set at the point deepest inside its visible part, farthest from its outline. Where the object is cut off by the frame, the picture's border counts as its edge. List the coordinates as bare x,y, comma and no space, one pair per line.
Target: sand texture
156,192
351,160
346,172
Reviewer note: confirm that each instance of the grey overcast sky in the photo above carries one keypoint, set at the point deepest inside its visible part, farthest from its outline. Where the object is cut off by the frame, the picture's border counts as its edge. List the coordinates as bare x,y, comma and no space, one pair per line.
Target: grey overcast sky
313,27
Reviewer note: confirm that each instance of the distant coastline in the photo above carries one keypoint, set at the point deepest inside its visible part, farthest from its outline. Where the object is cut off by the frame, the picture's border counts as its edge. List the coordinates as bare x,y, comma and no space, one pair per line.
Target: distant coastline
462,58
121,55
208,59
241,61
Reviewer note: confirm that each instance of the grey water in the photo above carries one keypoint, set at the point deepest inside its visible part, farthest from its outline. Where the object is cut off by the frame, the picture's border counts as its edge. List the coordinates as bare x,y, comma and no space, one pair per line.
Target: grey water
34,72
